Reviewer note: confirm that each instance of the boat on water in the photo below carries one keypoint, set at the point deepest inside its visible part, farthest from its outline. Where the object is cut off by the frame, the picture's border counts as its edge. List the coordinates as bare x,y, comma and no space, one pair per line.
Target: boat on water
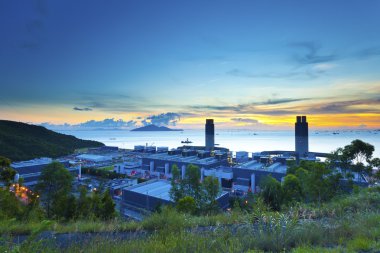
187,141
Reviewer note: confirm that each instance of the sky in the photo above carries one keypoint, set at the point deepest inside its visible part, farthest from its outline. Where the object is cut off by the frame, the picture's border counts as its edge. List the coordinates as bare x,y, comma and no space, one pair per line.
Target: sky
247,64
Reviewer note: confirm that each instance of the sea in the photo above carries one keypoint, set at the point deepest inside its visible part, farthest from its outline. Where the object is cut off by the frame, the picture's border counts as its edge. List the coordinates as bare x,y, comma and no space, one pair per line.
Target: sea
235,140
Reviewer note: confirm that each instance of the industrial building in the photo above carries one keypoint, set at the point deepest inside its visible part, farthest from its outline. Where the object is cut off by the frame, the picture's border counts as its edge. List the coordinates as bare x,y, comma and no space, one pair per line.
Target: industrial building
153,193
31,170
302,137
116,186
94,158
247,172
149,149
223,174
161,164
103,149
129,168
247,176
241,156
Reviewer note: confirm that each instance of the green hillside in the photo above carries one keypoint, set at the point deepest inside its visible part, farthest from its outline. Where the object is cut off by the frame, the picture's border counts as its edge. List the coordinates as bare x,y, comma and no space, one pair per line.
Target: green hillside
20,141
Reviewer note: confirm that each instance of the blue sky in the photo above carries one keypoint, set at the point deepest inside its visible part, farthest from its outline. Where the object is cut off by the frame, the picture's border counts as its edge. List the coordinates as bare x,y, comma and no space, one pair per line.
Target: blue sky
261,61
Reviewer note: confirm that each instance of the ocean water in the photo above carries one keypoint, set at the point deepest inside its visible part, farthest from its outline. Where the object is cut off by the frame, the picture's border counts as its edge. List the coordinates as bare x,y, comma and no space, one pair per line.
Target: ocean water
235,140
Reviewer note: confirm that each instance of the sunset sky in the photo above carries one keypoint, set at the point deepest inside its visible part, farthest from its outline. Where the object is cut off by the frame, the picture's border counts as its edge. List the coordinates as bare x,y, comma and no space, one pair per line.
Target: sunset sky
247,64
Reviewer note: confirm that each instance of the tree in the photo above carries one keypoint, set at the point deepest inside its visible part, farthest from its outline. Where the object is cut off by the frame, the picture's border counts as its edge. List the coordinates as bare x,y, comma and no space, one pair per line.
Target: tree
211,192
176,190
54,183
7,174
204,194
318,182
107,206
96,205
186,205
83,204
11,207
292,188
376,163
271,192
339,158
360,151
359,155
65,207
4,162
191,184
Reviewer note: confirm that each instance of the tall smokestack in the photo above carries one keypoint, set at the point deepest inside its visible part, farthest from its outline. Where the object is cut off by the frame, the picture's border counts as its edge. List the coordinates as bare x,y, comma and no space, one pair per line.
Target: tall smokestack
210,134
302,136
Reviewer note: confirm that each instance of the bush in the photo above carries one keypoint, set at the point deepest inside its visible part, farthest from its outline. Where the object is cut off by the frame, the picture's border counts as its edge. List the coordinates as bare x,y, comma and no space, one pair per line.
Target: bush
272,192
168,220
187,205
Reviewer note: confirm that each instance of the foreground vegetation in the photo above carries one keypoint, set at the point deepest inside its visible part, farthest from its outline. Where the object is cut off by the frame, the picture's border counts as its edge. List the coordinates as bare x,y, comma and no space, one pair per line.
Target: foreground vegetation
20,141
346,224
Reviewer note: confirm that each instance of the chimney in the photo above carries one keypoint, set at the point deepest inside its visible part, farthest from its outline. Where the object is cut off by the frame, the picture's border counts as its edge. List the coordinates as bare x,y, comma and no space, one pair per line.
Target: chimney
210,134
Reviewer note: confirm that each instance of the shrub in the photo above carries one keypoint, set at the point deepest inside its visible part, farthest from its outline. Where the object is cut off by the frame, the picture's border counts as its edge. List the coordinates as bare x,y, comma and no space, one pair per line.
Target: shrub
168,220
186,205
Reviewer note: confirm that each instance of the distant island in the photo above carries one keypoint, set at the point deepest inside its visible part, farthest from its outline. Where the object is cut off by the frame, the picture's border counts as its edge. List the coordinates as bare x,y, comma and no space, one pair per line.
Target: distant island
154,128
20,141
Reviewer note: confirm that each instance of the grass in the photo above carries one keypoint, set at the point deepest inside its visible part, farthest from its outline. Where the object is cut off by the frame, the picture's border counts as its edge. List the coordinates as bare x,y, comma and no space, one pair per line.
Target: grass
275,234
107,168
348,224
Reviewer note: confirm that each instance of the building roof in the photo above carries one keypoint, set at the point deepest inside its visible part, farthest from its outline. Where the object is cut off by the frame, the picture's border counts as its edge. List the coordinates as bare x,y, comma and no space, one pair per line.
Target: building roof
95,158
34,162
155,188
184,159
254,165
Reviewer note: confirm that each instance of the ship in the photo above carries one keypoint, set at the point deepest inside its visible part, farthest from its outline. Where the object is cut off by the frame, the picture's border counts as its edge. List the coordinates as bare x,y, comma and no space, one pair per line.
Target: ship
187,141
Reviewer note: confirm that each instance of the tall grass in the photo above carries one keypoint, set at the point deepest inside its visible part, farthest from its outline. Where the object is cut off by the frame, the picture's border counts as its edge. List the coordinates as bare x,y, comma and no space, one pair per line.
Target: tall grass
273,233
349,224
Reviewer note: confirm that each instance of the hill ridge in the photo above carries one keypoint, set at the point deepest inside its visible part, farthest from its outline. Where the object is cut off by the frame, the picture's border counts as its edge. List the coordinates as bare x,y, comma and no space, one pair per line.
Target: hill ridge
22,141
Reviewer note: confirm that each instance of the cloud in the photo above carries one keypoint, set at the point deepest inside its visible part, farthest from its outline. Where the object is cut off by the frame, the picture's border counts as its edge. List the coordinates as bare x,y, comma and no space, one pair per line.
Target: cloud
82,109
108,123
370,105
29,45
40,7
310,64
55,126
282,101
309,73
94,124
368,52
317,106
166,119
242,73
245,120
34,26
113,102
163,119
323,67
216,107
249,107
310,53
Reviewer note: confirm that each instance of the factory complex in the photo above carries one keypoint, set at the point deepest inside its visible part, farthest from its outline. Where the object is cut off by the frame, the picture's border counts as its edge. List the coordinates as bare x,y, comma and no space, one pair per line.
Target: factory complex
238,172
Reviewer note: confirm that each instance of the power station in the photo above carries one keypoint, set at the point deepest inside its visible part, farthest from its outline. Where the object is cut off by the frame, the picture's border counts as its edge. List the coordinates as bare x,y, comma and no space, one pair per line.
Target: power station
302,137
